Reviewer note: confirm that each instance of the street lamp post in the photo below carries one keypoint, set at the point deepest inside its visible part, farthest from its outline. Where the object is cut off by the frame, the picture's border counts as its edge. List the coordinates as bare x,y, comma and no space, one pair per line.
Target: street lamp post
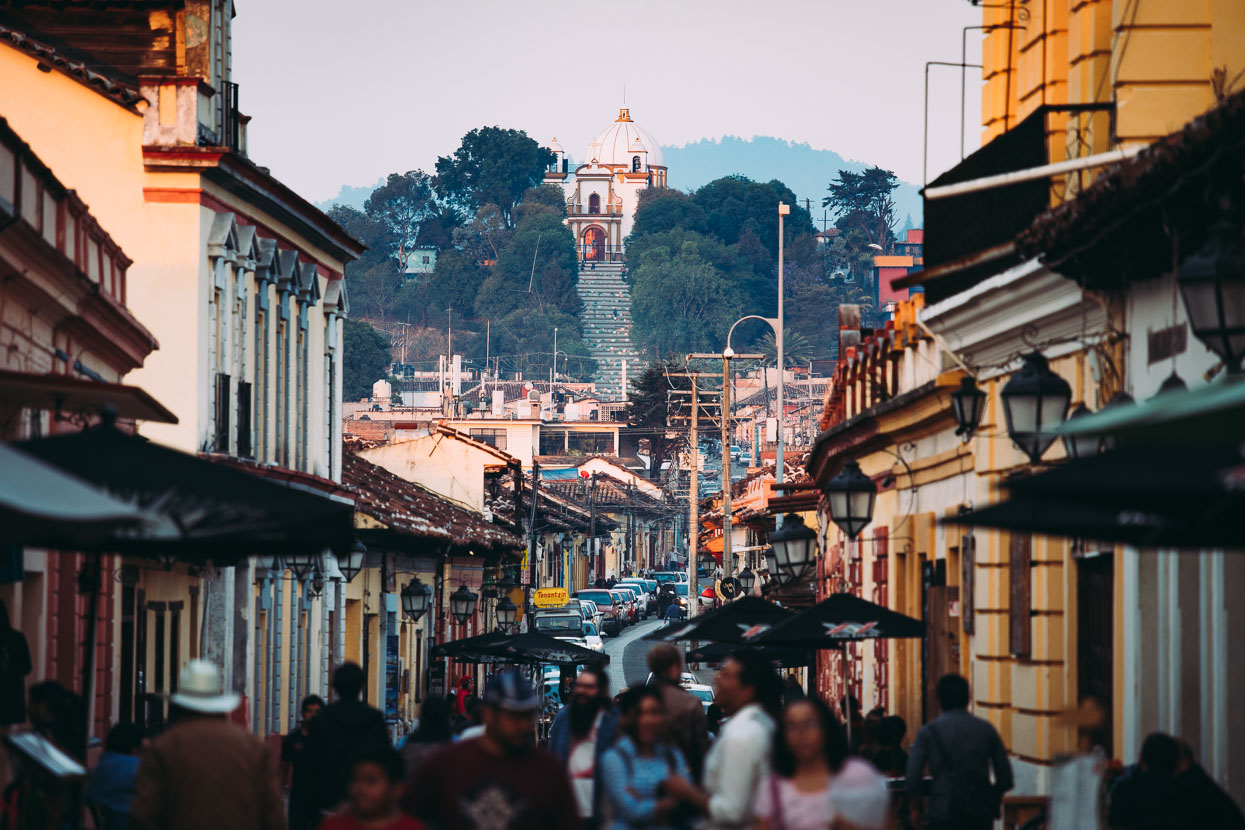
783,210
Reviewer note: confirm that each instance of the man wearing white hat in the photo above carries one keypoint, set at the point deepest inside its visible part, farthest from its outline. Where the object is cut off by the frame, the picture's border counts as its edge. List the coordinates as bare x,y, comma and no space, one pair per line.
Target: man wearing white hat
204,772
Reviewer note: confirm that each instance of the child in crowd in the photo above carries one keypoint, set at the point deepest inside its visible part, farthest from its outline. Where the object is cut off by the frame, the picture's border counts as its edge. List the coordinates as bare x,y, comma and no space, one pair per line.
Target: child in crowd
373,790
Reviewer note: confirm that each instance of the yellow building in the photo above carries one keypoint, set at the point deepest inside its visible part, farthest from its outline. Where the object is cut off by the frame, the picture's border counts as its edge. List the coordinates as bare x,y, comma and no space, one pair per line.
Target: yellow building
1041,624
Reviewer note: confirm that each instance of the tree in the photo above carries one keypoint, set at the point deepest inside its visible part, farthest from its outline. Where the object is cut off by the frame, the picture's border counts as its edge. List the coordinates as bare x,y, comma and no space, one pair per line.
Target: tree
812,312
735,204
862,201
663,209
651,405
680,301
492,166
536,270
401,205
485,236
796,348
373,279
365,359
547,199
524,340
454,283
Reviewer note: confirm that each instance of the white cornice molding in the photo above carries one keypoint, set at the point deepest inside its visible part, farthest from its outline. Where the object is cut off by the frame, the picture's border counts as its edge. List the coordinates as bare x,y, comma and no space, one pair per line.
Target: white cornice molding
984,325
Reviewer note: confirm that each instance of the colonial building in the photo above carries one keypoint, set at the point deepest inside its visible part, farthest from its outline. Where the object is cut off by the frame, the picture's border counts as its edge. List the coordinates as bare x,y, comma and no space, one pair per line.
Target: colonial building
238,277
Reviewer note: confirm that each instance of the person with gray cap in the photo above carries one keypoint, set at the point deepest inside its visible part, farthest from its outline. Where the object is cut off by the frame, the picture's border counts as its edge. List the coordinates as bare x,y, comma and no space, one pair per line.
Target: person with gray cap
500,780
203,771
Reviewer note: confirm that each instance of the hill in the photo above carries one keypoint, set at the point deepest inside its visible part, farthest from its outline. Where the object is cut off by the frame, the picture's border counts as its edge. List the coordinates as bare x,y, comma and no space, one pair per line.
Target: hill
350,196
805,170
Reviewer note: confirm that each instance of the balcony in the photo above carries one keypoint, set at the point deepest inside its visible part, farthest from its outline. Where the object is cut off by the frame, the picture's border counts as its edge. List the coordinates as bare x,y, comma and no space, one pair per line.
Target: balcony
185,111
581,209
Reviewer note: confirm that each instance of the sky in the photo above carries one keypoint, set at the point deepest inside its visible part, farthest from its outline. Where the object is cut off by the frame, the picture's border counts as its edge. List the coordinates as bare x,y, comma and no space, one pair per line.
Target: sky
345,93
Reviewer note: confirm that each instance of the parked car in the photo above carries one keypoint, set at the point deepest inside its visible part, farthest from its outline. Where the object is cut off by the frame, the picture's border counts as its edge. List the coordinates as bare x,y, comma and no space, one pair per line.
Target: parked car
557,622
648,593
662,577
686,679
626,600
702,691
608,605
592,638
638,598
594,613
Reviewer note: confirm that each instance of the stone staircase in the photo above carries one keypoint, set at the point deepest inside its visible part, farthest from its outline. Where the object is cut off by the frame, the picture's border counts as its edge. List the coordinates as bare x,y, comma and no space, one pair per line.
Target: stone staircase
606,321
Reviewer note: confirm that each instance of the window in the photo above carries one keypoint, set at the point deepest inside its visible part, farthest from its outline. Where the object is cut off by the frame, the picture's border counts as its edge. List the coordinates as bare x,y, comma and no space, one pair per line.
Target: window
594,203
244,419
552,442
492,437
221,443
635,164
590,443
1019,618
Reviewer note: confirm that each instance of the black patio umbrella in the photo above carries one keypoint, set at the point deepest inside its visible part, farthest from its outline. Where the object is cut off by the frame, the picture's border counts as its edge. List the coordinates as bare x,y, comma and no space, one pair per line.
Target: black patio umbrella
469,647
731,623
534,647
836,621
779,655
201,511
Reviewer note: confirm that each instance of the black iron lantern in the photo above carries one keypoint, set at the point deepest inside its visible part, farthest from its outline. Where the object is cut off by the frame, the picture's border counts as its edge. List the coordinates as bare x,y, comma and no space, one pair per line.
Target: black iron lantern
771,565
851,495
416,597
1035,401
167,557
507,611
1084,444
463,603
968,403
352,563
1117,400
316,587
746,580
794,545
300,564
1212,282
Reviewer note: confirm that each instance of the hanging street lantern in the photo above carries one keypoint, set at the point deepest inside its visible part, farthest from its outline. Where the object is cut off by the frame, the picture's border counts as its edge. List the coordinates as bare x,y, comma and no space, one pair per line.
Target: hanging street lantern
416,597
794,545
771,565
352,563
167,558
1212,282
851,495
1035,401
463,603
507,612
316,588
746,580
1081,445
968,403
300,564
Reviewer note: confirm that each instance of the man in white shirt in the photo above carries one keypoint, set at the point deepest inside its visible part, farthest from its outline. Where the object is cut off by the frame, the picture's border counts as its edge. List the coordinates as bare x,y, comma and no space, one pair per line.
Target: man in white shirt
747,690
580,734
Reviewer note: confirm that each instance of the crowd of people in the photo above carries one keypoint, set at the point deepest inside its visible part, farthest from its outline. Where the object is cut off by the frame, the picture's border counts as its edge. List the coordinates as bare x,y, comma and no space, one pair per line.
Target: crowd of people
765,756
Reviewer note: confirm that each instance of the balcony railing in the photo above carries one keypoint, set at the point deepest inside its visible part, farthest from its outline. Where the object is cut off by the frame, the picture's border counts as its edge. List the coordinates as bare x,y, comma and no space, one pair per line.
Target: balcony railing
183,110
590,254
581,209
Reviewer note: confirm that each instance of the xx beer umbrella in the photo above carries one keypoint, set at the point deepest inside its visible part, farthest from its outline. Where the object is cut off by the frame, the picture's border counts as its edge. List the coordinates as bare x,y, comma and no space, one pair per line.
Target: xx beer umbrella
836,621
732,623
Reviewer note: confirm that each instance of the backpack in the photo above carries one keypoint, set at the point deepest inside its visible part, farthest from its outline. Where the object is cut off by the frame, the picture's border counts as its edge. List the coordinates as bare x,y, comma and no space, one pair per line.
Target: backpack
972,794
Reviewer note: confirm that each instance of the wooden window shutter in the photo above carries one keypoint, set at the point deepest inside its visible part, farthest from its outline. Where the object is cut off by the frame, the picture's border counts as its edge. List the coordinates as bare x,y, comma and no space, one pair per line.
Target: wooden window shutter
244,419
222,412
1019,572
968,573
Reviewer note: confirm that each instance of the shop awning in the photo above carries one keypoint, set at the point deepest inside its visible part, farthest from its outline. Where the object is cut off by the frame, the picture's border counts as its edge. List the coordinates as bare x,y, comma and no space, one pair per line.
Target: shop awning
718,652
43,506
1213,414
63,393
202,511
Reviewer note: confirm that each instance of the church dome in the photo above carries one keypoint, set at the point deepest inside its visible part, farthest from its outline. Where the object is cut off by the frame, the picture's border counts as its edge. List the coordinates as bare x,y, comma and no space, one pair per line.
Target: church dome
617,143
555,147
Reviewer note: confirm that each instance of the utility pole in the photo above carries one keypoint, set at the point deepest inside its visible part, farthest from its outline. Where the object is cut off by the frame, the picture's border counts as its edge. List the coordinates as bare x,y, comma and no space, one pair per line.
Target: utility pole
693,497
779,468
727,562
530,610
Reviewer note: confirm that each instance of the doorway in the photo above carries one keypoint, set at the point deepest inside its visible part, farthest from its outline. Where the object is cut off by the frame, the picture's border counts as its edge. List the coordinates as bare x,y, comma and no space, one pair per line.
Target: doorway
1095,612
593,245
942,637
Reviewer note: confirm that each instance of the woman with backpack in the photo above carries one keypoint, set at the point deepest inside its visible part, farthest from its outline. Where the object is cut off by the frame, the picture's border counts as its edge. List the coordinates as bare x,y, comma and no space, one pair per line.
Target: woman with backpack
635,769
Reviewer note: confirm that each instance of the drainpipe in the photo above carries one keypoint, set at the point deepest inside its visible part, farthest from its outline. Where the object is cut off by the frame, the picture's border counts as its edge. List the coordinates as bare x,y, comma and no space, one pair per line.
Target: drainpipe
274,689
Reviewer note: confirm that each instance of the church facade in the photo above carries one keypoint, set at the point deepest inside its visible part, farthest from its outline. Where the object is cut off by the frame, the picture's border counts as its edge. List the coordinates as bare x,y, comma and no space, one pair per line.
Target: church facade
602,193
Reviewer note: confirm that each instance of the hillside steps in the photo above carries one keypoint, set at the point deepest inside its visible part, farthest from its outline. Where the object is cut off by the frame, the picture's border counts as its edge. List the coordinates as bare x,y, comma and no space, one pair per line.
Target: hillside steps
606,322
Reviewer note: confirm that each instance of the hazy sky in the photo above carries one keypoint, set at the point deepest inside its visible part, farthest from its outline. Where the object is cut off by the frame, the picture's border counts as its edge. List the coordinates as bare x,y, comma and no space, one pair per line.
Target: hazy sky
343,93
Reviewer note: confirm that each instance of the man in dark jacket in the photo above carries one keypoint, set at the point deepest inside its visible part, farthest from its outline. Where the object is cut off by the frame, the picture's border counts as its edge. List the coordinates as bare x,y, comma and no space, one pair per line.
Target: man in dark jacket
341,730
686,726
579,736
960,750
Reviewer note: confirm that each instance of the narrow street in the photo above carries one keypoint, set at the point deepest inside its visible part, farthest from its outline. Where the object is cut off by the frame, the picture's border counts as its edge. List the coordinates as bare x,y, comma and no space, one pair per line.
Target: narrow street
628,655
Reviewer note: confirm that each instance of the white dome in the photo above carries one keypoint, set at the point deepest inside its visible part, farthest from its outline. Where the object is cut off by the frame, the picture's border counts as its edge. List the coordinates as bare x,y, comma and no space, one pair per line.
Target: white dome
615,144
555,147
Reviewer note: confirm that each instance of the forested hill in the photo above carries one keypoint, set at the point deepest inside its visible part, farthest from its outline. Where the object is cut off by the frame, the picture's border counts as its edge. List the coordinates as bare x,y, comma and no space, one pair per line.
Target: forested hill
762,158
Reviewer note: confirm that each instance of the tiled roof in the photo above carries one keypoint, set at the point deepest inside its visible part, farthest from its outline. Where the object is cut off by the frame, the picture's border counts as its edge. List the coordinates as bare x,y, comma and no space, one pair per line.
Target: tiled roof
407,508
791,394
78,67
610,492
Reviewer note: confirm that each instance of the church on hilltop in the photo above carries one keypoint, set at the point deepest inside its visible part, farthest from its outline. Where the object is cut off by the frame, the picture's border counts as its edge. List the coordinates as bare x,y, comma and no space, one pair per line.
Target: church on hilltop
603,191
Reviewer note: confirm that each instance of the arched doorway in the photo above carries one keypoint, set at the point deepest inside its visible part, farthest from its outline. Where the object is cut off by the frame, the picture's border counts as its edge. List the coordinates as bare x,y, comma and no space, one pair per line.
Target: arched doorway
593,245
